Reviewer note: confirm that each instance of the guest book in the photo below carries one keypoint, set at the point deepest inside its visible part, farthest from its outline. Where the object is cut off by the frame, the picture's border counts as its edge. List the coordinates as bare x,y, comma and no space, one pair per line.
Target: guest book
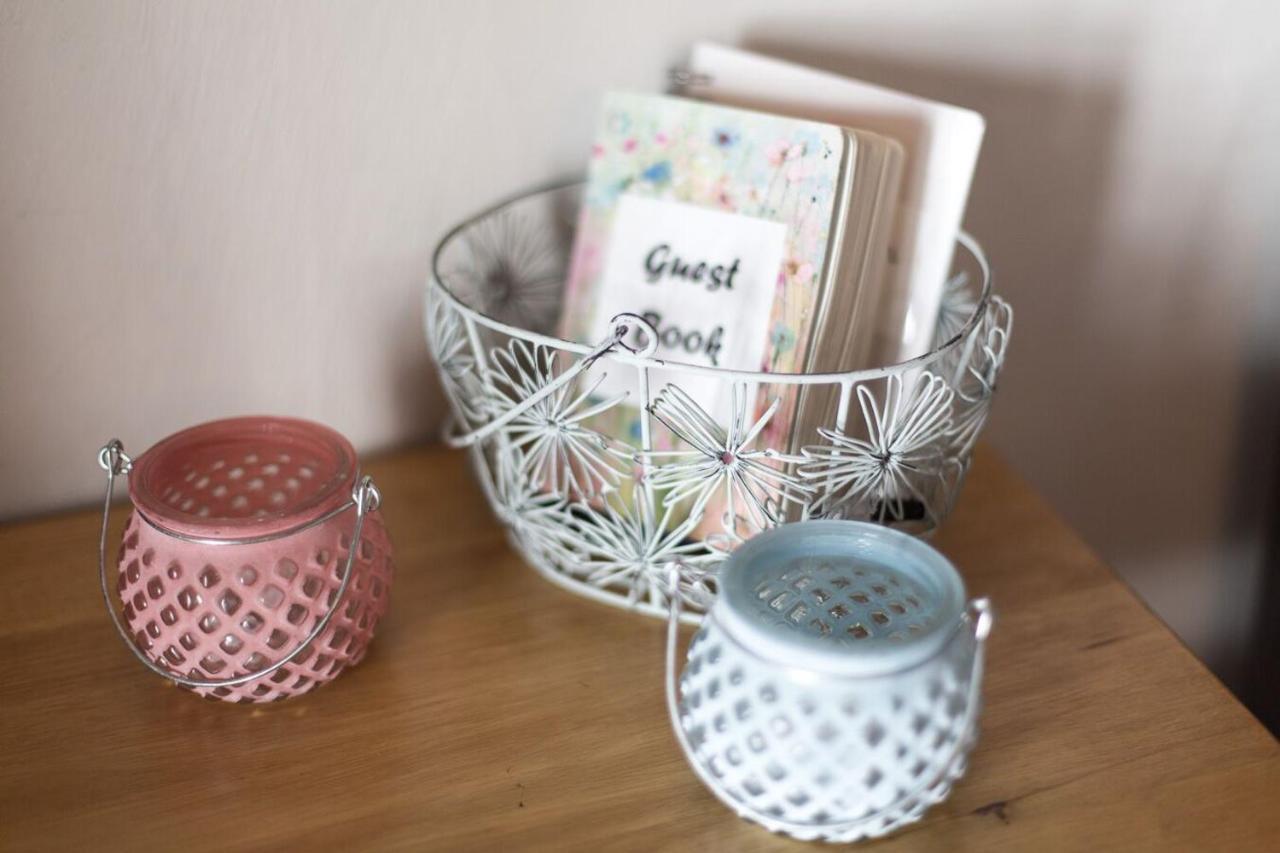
750,241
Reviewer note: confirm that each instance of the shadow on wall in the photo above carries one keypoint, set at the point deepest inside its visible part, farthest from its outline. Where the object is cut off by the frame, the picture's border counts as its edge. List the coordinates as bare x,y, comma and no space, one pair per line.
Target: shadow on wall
1037,208
1143,472
1257,464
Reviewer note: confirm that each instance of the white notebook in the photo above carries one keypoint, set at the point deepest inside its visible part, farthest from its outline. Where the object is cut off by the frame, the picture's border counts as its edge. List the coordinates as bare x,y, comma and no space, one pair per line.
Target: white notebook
941,143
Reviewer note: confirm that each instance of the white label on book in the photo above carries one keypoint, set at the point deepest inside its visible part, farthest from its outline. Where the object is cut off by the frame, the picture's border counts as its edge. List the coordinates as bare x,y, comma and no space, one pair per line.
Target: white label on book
705,279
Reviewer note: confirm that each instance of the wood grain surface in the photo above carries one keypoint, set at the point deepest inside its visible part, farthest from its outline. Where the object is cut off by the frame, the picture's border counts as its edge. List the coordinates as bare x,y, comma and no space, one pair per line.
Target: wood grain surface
498,712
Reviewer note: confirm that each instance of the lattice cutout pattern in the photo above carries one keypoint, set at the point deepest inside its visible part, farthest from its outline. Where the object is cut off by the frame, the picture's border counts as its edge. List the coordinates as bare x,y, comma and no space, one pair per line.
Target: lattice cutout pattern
846,603
815,758
258,474
218,611
244,486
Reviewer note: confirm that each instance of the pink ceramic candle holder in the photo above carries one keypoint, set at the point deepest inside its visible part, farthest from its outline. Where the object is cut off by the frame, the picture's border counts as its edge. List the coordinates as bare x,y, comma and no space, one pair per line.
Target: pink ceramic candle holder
255,565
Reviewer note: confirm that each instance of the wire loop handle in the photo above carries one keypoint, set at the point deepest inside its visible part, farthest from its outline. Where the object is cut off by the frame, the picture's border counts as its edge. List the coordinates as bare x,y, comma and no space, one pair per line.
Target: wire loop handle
978,613
365,497
623,325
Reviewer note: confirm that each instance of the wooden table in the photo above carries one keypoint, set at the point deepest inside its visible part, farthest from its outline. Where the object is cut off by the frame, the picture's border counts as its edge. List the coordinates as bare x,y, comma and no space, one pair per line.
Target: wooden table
496,711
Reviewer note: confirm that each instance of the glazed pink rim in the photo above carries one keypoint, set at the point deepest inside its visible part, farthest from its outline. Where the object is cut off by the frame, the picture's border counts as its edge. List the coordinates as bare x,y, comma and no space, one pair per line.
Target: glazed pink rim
243,477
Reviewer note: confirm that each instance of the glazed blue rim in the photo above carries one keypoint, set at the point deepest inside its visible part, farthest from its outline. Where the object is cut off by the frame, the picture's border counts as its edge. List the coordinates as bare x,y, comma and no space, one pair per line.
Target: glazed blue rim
751,623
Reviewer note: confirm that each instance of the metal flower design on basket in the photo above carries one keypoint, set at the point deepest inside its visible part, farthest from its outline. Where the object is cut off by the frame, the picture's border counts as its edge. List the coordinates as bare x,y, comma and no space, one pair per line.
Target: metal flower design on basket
605,514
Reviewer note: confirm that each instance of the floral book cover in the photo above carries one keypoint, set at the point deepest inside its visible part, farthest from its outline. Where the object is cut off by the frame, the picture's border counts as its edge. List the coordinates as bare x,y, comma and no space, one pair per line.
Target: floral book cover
712,223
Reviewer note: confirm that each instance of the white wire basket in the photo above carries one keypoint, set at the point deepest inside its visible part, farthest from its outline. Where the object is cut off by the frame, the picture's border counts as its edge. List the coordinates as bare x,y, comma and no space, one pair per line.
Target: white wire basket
601,503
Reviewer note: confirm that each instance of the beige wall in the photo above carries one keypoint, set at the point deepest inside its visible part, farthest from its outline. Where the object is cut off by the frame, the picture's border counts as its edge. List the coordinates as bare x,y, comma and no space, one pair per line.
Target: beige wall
215,208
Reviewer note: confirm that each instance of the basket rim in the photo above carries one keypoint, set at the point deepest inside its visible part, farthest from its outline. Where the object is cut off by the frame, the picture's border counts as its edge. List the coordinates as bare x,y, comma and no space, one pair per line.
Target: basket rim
437,283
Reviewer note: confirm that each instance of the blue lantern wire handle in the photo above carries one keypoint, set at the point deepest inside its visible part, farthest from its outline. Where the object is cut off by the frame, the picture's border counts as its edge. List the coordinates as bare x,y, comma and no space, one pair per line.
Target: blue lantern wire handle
979,613
365,497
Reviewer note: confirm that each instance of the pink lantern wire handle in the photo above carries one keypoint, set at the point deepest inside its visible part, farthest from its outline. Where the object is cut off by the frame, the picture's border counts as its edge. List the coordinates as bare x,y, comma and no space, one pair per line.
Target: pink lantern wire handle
978,613
364,497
